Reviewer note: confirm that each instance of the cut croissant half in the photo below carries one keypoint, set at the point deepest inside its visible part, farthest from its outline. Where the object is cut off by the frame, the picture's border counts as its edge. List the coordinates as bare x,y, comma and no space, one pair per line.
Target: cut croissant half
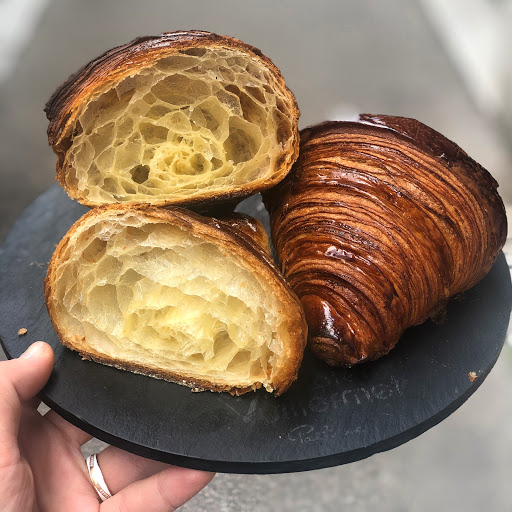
380,222
176,296
175,119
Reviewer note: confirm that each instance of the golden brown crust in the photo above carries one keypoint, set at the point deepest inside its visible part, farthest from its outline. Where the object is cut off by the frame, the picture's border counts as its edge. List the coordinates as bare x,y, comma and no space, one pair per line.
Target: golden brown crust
224,235
195,384
117,63
379,222
250,228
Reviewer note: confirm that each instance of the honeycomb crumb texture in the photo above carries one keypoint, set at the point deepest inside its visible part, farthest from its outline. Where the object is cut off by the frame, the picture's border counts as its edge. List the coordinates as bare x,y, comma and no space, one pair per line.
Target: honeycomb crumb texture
201,119
159,296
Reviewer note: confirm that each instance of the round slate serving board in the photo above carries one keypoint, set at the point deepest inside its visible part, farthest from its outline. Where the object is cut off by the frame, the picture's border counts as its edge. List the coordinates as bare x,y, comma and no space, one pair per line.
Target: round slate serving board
328,417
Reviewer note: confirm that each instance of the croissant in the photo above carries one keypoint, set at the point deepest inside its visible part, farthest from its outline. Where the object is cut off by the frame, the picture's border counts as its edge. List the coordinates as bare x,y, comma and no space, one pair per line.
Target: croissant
378,224
175,119
176,296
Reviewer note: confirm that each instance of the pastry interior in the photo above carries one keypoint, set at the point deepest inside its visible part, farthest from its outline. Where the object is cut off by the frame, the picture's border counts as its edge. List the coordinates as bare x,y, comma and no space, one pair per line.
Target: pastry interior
200,119
155,297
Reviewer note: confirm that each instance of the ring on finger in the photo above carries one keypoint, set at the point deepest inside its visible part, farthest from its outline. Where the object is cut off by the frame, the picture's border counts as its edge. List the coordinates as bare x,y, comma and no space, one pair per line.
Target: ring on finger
96,476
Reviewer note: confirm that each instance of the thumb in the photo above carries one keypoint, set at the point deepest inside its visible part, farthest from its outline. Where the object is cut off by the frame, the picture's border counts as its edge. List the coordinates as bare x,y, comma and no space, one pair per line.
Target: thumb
20,380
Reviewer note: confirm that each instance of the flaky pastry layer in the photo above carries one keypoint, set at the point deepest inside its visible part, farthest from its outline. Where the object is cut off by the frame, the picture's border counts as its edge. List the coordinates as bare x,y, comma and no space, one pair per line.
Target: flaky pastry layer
176,296
174,119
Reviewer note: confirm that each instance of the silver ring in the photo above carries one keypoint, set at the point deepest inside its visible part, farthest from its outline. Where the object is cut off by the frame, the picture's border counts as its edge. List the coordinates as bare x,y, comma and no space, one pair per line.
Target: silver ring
96,476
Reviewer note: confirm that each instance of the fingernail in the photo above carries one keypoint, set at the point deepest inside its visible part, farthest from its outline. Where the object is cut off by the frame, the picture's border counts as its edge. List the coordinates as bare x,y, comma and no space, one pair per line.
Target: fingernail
34,350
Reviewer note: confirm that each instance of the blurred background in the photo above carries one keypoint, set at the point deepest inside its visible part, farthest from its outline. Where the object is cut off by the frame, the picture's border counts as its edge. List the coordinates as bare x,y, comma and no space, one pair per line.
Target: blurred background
444,62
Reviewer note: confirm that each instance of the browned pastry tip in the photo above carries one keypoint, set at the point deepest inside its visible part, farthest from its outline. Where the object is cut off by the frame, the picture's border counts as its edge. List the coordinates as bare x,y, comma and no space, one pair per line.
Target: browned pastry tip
176,119
250,228
379,222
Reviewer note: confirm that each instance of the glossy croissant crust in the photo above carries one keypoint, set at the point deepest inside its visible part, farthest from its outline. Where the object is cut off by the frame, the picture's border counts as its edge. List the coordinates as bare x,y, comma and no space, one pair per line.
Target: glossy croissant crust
176,119
378,224
176,296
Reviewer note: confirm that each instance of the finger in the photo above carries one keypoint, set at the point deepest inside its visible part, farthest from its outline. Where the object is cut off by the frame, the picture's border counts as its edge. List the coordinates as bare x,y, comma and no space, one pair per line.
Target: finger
74,434
163,492
59,472
121,468
20,380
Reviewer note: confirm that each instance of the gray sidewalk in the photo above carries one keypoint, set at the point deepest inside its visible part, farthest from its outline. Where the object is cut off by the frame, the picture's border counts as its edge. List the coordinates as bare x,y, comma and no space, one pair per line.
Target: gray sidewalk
339,58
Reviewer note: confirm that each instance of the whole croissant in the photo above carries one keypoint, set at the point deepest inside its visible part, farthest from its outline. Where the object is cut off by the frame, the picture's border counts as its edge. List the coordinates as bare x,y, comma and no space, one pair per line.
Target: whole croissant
378,224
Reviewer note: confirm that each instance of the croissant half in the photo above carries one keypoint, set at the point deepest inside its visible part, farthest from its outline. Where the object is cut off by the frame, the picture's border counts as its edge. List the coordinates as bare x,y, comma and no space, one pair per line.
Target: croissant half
175,119
176,296
378,224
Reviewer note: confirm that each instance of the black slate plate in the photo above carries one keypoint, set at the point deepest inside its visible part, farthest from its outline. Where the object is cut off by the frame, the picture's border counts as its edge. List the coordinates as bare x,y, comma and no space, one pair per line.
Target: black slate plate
328,417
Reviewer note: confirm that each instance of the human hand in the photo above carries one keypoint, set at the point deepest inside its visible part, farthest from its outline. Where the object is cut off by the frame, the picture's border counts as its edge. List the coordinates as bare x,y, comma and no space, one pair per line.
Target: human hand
42,468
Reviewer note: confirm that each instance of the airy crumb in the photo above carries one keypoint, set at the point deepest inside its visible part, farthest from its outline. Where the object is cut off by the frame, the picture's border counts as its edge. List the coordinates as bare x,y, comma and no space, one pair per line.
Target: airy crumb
22,331
472,376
